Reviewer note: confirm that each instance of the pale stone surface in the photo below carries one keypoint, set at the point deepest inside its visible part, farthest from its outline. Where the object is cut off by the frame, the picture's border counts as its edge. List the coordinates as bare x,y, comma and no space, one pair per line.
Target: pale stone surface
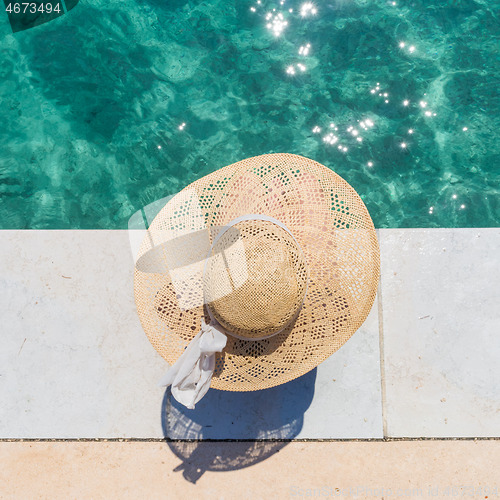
441,326
76,363
400,469
347,402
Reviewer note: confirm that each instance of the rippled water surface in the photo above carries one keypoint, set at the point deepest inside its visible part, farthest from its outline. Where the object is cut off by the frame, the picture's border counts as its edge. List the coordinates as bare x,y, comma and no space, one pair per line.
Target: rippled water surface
119,103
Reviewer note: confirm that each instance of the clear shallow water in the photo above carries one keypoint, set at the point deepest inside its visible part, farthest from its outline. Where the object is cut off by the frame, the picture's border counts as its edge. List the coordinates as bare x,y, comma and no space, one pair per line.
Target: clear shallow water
93,105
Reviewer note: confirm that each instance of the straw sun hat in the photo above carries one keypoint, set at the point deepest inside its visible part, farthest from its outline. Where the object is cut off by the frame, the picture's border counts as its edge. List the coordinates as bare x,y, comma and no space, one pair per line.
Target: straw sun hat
255,274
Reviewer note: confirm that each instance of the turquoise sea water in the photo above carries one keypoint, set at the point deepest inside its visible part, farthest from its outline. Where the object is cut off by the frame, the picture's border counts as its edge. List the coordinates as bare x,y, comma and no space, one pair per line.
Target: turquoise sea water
93,104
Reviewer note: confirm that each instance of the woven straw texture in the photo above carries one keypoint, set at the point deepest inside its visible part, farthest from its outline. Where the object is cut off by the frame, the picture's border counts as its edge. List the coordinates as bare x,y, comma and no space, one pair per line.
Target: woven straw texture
339,245
260,291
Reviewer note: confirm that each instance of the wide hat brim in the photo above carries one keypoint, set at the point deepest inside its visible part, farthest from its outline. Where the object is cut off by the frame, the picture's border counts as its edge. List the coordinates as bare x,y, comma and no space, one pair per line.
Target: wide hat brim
334,229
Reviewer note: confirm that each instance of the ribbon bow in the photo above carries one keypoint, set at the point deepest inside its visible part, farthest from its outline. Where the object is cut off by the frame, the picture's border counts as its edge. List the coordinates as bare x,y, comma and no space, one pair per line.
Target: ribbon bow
191,374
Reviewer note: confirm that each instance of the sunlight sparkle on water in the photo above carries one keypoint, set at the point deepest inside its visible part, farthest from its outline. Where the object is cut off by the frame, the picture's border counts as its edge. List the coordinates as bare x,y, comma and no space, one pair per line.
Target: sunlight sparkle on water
304,50
277,23
330,138
307,9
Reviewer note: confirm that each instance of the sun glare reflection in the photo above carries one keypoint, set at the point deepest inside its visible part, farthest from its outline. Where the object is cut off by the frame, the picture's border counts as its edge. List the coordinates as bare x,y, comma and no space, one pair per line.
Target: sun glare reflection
358,134
291,69
382,94
304,49
352,133
308,9
330,138
411,49
276,23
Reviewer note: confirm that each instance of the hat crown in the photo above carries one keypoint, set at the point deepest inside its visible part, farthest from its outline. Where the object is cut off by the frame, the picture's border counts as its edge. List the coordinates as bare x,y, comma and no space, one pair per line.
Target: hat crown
255,279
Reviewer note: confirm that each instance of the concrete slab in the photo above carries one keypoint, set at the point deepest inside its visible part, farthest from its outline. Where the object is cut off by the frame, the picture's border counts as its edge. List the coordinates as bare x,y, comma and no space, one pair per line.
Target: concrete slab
75,362
347,401
441,325
221,470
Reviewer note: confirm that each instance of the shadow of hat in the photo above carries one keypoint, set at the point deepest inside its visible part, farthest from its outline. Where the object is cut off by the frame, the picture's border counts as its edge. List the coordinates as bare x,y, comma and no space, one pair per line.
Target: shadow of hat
232,430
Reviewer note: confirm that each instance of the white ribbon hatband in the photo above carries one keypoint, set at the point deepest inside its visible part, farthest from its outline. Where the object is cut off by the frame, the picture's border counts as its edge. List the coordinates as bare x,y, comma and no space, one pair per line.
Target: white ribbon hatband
191,374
